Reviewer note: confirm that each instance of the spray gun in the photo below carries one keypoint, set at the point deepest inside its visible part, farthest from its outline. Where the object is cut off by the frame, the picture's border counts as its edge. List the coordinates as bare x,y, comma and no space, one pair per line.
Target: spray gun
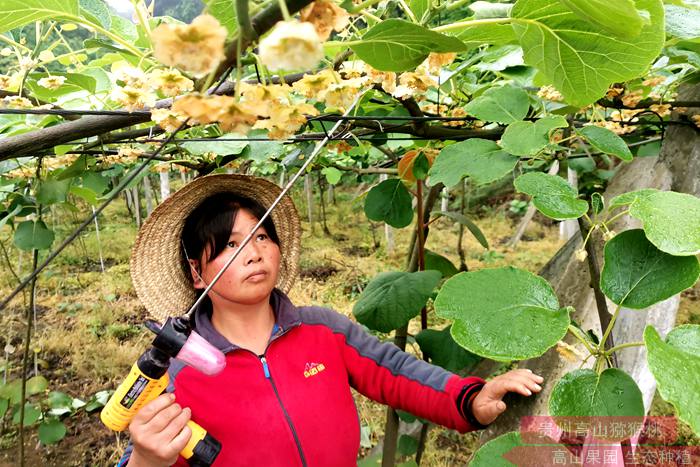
148,378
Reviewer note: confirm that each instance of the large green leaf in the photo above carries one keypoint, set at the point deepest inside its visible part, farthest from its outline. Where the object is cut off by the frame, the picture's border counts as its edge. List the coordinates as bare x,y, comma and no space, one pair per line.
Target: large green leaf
606,141
53,191
481,301
32,235
397,45
551,195
685,337
619,18
671,220
528,138
677,373
391,299
480,159
579,58
96,11
31,414
51,431
390,202
444,351
491,453
636,274
17,13
584,393
502,104
36,385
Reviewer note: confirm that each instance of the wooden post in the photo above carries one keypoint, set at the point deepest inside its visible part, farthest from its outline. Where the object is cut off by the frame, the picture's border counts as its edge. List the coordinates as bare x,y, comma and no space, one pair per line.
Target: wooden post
164,185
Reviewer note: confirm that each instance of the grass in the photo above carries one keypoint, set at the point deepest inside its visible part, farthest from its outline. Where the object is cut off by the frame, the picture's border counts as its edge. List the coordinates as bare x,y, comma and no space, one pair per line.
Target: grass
88,330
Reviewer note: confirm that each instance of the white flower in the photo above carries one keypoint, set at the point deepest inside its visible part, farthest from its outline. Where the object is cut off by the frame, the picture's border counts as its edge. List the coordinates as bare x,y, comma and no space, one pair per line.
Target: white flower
52,82
291,46
609,235
581,255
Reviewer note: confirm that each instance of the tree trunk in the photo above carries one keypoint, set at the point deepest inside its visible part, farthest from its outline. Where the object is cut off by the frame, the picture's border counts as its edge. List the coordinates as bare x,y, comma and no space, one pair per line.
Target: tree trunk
309,191
676,168
164,185
148,195
137,205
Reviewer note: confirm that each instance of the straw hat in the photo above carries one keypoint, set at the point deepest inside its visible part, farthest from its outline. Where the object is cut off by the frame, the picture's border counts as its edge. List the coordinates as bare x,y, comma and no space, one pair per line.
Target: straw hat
156,271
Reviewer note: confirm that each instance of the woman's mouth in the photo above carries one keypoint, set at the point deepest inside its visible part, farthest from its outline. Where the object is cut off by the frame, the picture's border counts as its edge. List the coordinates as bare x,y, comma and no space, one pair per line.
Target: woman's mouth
256,276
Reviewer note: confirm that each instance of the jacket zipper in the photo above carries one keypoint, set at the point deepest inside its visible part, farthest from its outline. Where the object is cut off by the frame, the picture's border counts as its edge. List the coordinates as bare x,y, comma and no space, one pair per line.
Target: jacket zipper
266,369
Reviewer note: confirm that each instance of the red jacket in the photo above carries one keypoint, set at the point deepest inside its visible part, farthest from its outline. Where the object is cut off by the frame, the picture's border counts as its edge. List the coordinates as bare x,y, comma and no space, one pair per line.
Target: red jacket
292,406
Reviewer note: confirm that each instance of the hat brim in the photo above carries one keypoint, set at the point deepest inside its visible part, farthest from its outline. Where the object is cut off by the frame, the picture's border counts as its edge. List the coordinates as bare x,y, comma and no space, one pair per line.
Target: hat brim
156,265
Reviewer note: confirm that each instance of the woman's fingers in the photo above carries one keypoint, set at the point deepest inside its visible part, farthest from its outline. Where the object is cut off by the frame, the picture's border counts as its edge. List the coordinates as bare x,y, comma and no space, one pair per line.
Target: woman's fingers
164,418
150,410
180,441
176,425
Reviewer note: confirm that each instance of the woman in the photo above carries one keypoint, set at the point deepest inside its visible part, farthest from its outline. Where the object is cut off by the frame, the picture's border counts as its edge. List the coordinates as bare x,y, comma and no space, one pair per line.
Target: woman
284,397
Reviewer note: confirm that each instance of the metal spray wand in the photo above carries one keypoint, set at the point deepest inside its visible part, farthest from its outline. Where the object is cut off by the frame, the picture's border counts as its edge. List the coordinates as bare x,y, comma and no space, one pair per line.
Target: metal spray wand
289,185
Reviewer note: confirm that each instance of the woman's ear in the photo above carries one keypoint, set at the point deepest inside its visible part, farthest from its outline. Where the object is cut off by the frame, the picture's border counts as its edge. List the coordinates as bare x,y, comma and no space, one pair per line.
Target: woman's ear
195,271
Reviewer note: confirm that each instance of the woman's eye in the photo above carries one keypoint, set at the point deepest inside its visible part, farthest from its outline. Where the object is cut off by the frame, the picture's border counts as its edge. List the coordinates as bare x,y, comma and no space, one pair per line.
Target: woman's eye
263,236
231,244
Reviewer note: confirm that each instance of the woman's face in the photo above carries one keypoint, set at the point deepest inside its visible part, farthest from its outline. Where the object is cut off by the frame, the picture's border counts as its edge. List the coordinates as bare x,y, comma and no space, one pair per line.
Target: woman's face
252,275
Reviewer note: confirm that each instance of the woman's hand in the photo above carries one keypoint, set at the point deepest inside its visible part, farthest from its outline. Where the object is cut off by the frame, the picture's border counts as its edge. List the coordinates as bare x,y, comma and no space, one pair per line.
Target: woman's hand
159,432
487,404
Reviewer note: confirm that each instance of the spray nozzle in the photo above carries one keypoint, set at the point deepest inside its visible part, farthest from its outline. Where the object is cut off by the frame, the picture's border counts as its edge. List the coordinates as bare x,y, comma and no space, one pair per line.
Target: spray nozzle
176,339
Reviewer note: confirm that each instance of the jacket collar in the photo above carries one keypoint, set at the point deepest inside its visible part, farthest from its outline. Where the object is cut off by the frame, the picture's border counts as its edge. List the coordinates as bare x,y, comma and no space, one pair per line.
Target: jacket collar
287,316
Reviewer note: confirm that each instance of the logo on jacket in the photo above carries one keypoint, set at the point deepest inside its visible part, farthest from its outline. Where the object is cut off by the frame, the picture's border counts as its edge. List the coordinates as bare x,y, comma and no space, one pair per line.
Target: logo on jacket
312,369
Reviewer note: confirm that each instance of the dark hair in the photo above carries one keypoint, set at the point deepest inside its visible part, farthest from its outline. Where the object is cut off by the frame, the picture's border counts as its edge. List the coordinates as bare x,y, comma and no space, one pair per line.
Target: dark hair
211,222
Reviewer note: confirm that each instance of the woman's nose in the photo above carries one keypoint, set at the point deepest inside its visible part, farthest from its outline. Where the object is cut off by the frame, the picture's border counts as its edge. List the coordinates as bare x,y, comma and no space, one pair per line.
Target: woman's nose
253,254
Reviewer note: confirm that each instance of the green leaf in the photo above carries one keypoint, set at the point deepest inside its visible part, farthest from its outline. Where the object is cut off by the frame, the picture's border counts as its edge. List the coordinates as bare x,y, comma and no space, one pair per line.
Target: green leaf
480,303
579,58
438,262
52,191
32,235
12,391
551,195
490,454
419,8
96,11
502,104
124,28
408,445
225,12
480,34
597,203
682,22
390,202
685,337
77,168
671,220
391,299
444,351
332,174
17,13
4,405
480,159
677,373
51,431
420,166
397,45
223,148
630,197
31,414
60,400
95,182
473,228
619,18
36,384
636,274
583,393
606,141
528,138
